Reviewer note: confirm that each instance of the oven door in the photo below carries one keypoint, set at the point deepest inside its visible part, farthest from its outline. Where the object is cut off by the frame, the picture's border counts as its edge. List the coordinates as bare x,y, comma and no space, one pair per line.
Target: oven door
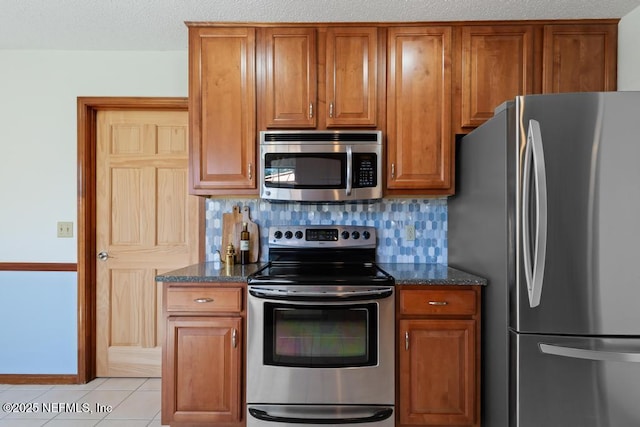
320,345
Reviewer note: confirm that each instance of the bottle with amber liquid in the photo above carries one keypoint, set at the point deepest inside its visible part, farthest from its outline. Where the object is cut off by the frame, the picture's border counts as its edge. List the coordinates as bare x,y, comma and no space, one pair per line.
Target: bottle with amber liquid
244,244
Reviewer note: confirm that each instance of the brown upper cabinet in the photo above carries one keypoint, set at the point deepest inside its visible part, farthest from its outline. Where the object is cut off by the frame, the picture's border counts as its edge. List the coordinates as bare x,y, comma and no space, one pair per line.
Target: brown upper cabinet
351,76
499,62
290,83
419,83
419,149
497,65
222,103
319,77
580,58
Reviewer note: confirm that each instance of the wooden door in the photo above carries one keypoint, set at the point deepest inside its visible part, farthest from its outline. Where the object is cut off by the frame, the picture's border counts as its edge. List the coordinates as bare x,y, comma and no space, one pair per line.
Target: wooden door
437,372
204,374
351,76
146,224
579,58
497,65
419,134
290,82
222,106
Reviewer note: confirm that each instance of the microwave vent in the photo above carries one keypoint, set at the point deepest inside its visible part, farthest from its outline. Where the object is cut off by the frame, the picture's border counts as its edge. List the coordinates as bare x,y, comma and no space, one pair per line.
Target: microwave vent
343,136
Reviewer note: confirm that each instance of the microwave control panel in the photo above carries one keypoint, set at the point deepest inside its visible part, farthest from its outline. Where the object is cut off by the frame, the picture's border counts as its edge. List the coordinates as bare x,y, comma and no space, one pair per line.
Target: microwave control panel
365,170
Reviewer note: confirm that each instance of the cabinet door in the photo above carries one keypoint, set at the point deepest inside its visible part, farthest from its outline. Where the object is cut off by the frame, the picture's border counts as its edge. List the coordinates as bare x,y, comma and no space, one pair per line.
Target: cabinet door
497,65
222,109
437,372
351,76
202,370
290,83
419,109
579,58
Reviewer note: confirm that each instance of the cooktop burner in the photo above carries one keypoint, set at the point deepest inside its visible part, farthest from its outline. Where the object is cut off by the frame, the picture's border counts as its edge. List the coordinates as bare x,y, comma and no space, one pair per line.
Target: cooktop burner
322,255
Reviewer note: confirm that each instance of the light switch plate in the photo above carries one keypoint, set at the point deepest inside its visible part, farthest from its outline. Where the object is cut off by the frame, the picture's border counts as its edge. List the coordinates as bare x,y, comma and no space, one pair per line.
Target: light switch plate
65,229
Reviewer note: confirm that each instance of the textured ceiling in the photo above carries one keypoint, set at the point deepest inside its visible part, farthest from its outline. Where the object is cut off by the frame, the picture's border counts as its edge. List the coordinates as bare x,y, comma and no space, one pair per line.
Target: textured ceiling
159,24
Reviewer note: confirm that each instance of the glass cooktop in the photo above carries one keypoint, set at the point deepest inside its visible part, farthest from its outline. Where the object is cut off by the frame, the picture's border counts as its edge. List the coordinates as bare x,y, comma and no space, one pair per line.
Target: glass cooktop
322,273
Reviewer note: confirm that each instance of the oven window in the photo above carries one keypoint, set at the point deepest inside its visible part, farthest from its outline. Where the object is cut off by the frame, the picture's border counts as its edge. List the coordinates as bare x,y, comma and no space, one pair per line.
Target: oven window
305,170
321,336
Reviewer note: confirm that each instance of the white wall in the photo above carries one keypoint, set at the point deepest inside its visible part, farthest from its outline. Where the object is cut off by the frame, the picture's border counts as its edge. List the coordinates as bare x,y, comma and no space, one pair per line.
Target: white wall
38,135
38,175
38,140
628,51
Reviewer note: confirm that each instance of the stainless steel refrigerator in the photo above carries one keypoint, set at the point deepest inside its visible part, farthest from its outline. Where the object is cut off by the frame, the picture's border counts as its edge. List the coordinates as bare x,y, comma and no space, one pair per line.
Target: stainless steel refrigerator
547,209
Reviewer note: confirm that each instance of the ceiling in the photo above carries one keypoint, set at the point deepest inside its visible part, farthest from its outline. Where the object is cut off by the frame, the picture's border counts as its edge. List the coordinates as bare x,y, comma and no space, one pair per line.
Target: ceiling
159,24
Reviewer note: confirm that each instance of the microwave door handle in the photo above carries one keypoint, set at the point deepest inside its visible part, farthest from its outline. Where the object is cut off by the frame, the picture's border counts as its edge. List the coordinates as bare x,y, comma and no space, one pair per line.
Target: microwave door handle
349,168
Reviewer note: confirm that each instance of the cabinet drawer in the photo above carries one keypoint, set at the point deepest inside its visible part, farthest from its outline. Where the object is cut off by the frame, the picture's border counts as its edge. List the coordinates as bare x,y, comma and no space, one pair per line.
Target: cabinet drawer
204,299
437,301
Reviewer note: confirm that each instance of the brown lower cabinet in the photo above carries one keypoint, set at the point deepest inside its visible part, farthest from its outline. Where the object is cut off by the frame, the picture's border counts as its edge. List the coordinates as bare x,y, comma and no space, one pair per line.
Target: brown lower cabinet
438,355
203,354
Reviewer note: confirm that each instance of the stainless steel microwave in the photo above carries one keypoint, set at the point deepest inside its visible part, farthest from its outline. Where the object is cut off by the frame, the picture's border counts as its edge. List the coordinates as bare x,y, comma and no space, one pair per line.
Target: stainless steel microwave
321,166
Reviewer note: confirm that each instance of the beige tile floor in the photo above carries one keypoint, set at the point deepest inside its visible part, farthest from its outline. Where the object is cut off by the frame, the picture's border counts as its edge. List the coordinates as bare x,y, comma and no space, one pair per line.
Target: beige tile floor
104,402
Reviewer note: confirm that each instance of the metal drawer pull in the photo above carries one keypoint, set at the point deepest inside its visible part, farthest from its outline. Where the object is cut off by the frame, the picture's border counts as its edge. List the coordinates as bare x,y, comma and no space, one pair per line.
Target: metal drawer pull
406,340
234,338
203,300
440,303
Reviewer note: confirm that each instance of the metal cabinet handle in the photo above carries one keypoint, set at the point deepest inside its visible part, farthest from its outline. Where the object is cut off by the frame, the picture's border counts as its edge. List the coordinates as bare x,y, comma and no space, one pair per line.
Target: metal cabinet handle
250,170
234,338
406,340
331,110
203,300
393,171
438,303
311,110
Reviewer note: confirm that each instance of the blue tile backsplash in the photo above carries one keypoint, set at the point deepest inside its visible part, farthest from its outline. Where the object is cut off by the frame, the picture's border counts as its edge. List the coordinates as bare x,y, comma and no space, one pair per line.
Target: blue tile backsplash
389,217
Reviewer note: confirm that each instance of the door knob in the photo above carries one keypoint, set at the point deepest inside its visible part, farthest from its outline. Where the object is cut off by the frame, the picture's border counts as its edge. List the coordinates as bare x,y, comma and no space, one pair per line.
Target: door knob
102,256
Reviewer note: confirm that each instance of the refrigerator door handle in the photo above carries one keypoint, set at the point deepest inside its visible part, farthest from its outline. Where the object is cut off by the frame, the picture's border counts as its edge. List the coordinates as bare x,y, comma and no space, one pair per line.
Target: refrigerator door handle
534,263
581,353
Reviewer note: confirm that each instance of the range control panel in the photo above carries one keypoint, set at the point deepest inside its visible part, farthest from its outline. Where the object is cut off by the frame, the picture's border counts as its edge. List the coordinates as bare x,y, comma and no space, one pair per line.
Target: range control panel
313,236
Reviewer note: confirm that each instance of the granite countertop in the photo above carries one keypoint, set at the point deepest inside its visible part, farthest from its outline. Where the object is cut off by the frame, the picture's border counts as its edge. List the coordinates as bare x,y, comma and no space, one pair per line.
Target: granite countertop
430,274
211,272
414,274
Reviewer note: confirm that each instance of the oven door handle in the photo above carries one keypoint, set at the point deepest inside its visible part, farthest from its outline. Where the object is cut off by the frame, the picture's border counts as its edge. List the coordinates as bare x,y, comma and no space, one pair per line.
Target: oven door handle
368,294
379,414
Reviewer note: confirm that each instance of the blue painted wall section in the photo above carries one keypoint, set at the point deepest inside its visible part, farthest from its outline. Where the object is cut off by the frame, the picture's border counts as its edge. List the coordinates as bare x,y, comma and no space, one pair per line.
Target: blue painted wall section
39,316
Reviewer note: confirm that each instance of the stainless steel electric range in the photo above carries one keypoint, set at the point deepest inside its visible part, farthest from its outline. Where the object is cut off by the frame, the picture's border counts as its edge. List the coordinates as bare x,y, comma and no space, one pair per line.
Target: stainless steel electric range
320,338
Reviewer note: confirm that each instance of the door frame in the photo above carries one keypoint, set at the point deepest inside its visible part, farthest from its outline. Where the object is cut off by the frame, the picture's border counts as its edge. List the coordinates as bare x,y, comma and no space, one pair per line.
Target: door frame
87,110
